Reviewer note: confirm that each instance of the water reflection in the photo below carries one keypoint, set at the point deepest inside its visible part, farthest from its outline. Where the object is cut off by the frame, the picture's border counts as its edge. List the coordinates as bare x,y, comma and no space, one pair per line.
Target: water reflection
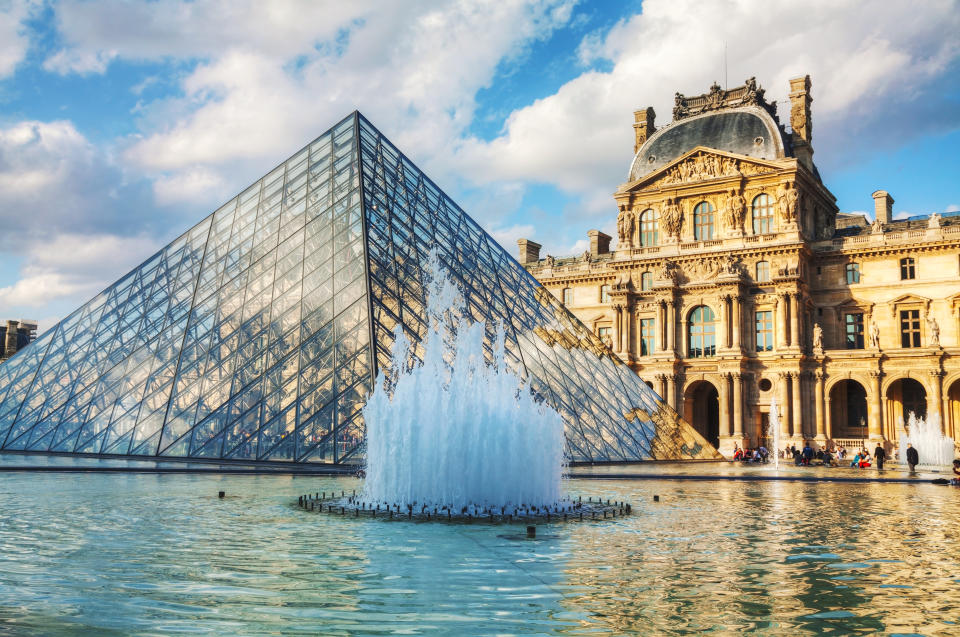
161,554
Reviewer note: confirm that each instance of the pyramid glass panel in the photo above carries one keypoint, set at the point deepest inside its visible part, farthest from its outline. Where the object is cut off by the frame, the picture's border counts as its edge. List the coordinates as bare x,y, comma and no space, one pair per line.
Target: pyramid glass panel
257,334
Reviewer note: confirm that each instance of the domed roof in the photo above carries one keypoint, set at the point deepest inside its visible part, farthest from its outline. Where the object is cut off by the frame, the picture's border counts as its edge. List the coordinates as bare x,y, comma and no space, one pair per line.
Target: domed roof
748,130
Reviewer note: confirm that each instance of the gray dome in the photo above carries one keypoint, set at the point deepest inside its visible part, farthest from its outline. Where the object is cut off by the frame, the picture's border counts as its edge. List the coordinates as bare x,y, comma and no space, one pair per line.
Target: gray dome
747,131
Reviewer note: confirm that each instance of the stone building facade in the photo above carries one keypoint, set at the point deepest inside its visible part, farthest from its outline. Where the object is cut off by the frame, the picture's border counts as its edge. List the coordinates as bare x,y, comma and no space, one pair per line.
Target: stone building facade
15,335
735,281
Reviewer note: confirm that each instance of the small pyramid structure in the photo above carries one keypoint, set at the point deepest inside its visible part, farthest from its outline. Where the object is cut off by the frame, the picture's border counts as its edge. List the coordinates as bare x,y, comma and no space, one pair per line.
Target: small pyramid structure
257,334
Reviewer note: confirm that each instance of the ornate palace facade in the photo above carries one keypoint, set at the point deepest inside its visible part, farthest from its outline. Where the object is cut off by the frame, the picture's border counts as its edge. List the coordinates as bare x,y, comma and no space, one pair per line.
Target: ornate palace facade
736,281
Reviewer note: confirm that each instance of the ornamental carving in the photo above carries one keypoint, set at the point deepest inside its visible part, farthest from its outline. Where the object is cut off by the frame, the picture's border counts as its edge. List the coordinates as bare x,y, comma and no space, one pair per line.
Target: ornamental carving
700,167
708,269
734,208
625,227
671,219
716,98
788,202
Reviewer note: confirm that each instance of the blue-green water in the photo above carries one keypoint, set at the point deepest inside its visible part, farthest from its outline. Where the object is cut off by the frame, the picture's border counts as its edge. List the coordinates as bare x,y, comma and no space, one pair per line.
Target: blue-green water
161,554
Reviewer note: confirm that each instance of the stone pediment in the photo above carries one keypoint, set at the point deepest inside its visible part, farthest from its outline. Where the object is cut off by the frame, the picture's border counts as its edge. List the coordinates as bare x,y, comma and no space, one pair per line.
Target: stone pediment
703,164
908,299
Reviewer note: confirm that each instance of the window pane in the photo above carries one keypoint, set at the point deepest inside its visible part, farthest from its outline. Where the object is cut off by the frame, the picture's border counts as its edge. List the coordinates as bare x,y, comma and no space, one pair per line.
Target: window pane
649,228
764,331
702,333
762,214
703,222
854,330
646,281
647,336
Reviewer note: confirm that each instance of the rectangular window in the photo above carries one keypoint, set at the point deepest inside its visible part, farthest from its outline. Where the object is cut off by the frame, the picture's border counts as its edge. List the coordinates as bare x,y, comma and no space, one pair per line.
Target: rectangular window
853,273
604,293
908,269
763,271
647,336
646,281
910,328
567,297
853,324
765,331
604,334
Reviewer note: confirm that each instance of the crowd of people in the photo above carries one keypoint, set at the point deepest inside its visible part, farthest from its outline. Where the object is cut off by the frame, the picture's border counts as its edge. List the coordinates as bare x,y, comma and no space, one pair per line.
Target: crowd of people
837,456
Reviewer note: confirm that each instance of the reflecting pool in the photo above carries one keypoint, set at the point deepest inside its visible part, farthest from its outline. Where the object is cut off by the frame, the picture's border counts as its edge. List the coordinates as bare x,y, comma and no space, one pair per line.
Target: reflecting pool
161,554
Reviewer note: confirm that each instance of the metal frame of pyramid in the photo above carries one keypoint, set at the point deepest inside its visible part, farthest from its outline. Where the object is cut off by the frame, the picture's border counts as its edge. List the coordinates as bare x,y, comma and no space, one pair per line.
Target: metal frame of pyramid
256,335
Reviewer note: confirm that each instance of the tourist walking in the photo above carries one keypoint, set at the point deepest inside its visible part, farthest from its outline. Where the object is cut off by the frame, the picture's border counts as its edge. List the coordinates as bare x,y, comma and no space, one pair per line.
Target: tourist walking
879,454
913,458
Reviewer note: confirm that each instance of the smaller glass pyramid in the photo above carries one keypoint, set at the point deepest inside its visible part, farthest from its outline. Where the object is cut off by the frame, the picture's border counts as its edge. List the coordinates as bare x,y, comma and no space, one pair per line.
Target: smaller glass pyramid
256,335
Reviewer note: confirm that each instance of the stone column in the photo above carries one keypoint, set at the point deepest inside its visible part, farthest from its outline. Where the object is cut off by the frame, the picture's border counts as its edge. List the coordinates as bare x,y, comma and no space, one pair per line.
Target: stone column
725,427
818,401
737,323
627,329
827,415
797,411
936,379
723,324
671,396
671,310
617,312
662,385
875,425
661,327
779,323
737,405
786,431
684,339
795,320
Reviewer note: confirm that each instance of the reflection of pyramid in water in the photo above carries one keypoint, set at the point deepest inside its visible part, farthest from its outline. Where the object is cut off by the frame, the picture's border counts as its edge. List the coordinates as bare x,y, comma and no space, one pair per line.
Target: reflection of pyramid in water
255,335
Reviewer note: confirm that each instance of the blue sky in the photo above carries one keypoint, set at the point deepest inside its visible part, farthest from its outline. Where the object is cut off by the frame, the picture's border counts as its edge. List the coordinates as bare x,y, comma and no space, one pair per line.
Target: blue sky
122,123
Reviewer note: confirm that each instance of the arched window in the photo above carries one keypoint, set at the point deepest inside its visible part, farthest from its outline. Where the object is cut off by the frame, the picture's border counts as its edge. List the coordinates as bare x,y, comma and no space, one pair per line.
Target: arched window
763,271
762,211
853,273
649,228
703,335
646,280
703,221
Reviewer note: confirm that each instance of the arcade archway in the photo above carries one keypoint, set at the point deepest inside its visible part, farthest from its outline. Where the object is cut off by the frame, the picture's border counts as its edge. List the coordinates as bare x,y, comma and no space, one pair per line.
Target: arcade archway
904,396
848,409
701,408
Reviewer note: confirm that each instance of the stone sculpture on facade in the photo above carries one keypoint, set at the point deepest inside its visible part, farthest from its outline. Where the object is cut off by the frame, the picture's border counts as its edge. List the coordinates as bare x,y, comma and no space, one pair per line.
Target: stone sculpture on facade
874,335
817,340
934,329
733,212
672,219
788,202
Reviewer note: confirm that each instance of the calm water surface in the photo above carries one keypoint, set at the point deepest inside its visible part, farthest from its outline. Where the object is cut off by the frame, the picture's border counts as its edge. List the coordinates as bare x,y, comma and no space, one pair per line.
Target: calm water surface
160,555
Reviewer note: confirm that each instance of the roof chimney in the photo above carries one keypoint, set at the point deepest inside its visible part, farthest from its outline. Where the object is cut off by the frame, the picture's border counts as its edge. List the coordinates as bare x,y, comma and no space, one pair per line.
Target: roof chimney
643,126
883,206
529,251
599,243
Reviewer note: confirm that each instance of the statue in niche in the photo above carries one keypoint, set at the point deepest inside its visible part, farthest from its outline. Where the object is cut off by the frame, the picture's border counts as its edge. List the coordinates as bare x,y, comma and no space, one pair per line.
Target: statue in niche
733,210
672,218
788,199
874,335
817,339
622,227
934,328
793,202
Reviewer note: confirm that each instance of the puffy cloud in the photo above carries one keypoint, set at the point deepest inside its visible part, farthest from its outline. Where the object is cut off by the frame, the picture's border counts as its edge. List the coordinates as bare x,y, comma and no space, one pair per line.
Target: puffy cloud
73,266
53,180
873,65
13,37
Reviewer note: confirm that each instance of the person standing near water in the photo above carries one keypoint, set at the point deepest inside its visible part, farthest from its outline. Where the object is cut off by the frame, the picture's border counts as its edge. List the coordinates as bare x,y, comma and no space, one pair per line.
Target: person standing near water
913,458
879,455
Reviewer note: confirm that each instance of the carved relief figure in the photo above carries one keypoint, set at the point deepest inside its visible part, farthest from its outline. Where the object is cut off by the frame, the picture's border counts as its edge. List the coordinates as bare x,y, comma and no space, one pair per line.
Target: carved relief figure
793,202
622,227
798,117
788,200
934,328
817,338
874,335
733,210
672,218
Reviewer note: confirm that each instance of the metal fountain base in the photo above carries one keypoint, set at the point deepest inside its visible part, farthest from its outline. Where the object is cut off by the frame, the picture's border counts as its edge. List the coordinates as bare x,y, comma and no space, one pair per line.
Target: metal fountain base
352,506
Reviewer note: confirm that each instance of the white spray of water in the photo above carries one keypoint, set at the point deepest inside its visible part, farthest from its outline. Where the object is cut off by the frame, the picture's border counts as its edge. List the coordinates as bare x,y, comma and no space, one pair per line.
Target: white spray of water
456,430
775,432
933,448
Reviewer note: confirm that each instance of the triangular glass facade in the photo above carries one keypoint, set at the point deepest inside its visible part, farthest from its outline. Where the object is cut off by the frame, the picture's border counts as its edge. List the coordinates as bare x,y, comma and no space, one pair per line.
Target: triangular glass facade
256,334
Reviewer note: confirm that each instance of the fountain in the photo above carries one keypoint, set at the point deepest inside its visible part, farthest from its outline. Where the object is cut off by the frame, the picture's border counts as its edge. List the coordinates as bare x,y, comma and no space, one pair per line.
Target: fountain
933,448
458,429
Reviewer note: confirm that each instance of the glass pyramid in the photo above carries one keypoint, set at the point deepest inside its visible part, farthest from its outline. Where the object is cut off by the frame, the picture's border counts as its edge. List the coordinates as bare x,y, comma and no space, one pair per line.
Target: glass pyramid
256,335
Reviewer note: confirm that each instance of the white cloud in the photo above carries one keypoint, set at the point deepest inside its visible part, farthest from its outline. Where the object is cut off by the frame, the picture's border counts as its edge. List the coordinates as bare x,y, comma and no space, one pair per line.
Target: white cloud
76,266
507,237
187,186
13,37
865,59
53,180
953,208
